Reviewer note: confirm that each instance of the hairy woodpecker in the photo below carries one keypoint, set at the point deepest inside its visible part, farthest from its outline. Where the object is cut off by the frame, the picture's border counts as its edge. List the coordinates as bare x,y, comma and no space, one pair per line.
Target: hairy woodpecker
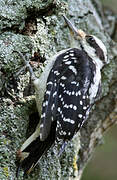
72,86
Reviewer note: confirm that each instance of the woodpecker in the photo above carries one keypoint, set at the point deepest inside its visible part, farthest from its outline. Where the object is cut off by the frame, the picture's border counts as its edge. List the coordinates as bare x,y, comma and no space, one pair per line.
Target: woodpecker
72,87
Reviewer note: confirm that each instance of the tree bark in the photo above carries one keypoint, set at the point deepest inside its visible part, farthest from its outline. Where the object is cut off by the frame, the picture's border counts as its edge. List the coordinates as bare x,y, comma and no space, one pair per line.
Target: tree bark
37,28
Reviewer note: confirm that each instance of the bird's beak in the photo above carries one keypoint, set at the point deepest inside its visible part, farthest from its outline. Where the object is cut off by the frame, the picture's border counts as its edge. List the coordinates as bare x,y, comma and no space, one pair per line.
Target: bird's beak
74,30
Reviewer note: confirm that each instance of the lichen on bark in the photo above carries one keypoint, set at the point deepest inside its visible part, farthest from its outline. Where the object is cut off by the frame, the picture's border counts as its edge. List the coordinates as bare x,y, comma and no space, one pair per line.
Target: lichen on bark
38,27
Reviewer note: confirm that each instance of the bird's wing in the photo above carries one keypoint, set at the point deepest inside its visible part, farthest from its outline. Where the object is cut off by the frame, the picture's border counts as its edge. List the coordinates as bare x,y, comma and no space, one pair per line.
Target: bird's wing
68,82
50,103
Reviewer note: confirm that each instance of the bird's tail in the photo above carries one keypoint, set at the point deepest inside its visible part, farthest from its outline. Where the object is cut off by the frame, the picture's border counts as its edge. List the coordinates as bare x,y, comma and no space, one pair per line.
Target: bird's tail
29,157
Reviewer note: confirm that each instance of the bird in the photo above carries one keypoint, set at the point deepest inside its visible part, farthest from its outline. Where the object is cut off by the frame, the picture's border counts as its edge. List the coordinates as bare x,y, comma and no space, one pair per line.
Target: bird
73,86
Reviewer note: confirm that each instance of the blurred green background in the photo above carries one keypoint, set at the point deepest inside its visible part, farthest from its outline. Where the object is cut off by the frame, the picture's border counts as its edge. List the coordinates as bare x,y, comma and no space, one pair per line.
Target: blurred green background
112,4
103,165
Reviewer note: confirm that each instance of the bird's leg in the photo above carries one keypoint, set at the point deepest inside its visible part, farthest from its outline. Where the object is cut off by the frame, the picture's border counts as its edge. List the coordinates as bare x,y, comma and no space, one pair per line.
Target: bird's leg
20,71
62,148
27,65
18,170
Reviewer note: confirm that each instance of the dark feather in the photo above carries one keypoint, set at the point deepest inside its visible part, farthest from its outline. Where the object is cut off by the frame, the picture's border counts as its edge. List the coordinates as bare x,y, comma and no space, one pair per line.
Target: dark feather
36,149
83,76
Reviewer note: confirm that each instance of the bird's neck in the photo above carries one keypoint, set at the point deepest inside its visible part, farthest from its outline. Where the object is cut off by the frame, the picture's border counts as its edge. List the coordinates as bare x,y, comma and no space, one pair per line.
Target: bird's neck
91,53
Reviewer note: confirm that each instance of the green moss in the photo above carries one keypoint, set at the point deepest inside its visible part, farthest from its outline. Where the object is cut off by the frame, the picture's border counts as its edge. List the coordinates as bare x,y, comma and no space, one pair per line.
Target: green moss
6,171
9,43
14,13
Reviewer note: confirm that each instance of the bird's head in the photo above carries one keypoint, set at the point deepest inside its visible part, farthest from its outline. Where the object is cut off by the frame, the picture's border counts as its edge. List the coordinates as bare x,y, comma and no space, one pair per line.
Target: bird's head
93,46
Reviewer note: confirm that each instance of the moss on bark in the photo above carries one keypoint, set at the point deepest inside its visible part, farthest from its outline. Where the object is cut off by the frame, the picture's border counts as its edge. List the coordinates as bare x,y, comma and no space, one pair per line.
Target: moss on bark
38,27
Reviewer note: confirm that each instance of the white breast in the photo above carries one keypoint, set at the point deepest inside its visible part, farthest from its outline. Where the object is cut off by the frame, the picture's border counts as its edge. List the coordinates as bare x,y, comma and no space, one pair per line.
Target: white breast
94,86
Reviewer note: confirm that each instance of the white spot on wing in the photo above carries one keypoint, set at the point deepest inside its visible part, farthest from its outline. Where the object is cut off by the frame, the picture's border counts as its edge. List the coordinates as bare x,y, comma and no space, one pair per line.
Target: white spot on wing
69,93
73,92
46,103
79,93
80,115
48,92
56,73
41,126
54,94
68,62
69,133
63,102
63,78
72,121
61,84
76,93
62,99
60,96
84,107
81,103
68,120
53,106
59,109
73,82
43,115
74,107
71,105
71,54
66,106
83,97
49,83
64,133
74,58
71,51
66,56
73,69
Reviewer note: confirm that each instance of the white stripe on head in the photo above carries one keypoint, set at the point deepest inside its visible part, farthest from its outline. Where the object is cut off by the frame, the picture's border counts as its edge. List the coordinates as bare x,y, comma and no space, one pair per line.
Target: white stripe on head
102,46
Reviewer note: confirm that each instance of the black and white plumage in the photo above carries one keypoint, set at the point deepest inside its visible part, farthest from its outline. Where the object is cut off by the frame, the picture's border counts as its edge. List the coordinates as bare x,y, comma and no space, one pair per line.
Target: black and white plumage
67,94
72,87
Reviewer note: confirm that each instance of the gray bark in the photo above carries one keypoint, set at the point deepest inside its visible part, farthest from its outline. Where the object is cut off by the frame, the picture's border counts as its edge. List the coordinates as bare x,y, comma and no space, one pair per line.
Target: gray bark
37,26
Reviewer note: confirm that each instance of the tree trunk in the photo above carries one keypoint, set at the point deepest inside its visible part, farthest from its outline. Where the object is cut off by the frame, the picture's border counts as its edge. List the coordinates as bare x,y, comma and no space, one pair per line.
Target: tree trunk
36,28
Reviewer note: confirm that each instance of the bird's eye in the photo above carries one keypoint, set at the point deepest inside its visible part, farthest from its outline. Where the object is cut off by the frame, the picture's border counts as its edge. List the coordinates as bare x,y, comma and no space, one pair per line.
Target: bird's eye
90,39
